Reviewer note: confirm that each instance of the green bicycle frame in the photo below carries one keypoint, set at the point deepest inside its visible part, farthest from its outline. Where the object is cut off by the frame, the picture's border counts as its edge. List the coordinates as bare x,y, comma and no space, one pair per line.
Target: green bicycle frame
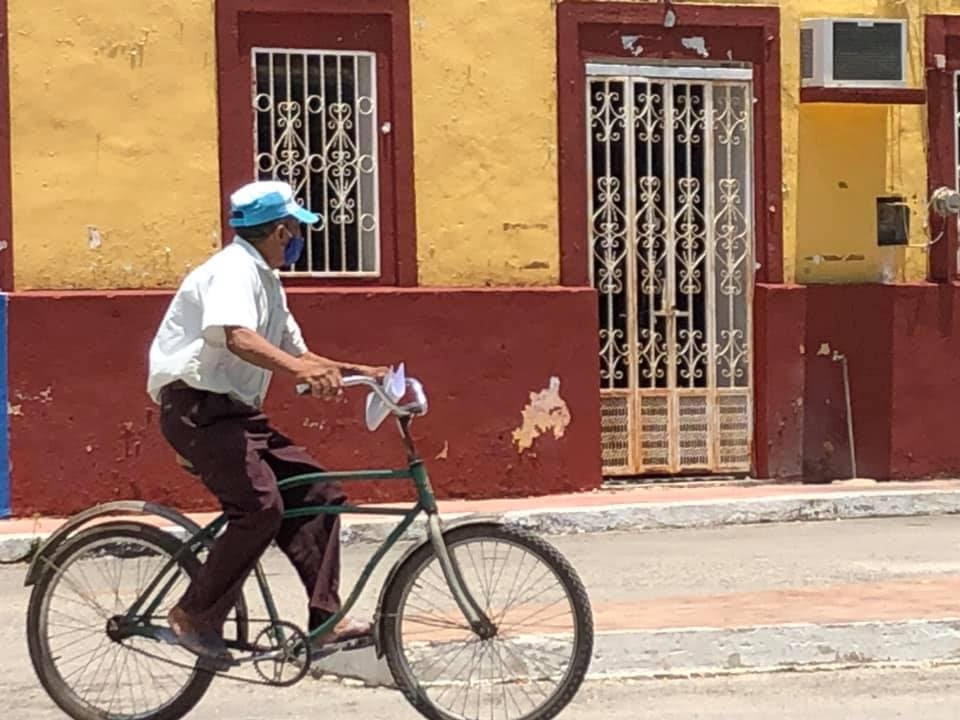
137,616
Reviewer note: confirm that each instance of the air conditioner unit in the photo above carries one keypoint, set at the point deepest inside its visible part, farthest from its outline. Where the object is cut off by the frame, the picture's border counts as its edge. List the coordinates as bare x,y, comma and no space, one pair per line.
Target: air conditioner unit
853,53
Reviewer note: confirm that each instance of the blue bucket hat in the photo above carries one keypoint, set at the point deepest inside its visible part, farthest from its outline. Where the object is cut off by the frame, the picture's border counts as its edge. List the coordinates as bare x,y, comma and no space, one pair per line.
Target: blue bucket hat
264,201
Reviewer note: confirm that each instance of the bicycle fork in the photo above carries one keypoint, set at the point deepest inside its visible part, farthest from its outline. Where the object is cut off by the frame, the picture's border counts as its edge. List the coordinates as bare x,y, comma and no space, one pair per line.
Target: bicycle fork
474,614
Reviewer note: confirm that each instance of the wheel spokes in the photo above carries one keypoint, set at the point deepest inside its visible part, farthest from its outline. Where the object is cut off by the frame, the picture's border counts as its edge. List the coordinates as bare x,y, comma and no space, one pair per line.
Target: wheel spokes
513,673
108,675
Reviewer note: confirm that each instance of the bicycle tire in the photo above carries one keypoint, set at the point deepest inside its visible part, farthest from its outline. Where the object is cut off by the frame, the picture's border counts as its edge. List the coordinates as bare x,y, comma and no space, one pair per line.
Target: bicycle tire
58,690
391,614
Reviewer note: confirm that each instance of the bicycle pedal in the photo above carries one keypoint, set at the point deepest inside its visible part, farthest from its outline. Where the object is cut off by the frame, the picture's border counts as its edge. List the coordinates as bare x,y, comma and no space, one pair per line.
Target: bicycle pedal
167,636
345,646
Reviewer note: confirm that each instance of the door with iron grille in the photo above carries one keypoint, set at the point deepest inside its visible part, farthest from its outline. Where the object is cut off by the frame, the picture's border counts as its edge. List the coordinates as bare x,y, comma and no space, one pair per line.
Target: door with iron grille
670,159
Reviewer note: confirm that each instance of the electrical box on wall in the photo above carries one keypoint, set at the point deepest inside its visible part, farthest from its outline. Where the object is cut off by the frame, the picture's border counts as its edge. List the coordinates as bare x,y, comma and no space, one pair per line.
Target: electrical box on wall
853,53
893,221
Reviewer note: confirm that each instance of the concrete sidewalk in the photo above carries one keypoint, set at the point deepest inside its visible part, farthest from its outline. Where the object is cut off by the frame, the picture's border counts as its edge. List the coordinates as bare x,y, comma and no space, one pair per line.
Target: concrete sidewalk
628,508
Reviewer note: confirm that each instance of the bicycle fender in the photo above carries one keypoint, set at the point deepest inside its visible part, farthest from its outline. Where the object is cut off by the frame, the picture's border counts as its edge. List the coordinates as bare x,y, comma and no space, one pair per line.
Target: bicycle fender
127,507
479,519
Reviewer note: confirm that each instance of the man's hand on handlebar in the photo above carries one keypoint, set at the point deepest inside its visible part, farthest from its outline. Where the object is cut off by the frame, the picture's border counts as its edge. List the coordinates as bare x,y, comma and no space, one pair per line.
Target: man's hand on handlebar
370,371
324,377
321,375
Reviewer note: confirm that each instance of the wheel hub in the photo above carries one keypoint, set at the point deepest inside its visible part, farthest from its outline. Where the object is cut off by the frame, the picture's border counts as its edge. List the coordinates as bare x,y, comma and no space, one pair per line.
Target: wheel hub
117,628
485,630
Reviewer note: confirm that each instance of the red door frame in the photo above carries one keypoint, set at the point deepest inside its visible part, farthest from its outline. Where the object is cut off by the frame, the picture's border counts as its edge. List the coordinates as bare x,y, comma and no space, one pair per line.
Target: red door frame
748,34
382,26
942,45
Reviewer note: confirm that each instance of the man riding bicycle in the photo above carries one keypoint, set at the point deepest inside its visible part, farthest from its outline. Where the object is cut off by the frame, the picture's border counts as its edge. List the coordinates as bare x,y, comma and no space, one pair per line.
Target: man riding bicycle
226,332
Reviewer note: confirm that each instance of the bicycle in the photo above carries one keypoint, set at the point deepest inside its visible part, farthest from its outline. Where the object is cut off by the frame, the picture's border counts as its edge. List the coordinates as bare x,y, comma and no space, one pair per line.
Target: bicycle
523,665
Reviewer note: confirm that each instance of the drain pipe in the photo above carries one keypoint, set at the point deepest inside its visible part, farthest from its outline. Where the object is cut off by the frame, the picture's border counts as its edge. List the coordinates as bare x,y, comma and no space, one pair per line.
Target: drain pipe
842,359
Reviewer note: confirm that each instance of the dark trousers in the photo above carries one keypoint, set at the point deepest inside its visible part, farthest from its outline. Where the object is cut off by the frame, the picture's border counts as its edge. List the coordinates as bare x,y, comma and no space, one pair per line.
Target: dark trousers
240,458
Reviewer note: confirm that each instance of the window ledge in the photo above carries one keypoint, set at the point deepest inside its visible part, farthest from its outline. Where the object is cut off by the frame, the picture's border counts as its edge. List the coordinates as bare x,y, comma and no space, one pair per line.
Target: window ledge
879,96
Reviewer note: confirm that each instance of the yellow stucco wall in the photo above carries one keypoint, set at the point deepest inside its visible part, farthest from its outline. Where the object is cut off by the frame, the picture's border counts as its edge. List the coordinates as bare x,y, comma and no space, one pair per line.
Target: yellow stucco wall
114,128
473,101
113,133
893,134
842,170
484,78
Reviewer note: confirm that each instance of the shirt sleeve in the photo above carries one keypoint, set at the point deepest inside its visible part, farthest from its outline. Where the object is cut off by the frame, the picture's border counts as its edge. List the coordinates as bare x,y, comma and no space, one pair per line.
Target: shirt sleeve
229,299
292,341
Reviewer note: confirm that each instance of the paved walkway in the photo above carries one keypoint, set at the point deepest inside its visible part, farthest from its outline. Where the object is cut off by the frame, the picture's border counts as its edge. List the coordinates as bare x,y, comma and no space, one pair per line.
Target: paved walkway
916,599
613,496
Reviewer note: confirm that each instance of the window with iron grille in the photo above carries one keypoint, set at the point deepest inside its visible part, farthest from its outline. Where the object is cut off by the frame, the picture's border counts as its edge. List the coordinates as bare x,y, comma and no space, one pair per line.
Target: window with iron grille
315,127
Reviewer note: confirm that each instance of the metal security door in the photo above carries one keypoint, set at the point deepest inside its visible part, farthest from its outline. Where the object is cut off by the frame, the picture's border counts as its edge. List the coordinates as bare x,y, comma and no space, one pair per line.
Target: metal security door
670,157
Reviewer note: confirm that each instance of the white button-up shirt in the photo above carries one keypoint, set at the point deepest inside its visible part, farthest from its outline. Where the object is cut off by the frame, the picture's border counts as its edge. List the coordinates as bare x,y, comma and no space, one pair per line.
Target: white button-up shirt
235,287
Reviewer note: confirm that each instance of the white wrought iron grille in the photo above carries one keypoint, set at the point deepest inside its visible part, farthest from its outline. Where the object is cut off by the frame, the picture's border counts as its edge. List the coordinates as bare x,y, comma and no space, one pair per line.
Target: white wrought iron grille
670,204
315,126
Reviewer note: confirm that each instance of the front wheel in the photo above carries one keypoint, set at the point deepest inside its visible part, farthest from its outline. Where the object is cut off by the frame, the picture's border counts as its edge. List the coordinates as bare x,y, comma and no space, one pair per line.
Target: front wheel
540,651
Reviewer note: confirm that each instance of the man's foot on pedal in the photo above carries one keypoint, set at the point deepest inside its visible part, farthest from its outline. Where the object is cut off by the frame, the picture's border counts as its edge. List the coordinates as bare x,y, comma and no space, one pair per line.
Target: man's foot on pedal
199,640
352,632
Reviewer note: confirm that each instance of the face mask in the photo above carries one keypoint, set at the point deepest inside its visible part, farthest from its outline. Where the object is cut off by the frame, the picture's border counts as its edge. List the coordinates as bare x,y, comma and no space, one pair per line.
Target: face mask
293,250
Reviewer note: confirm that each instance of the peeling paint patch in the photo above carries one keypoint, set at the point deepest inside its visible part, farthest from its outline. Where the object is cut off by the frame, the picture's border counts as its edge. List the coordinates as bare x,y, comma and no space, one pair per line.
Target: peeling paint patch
509,226
94,240
45,396
697,43
132,439
631,43
546,411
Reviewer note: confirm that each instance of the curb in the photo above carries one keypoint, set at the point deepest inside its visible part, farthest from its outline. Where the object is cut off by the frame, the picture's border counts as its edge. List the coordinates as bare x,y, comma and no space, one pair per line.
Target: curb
681,515
650,516
693,652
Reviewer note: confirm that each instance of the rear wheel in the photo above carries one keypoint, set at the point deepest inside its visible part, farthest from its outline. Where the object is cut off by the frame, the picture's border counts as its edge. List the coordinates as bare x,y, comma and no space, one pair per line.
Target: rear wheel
92,674
540,651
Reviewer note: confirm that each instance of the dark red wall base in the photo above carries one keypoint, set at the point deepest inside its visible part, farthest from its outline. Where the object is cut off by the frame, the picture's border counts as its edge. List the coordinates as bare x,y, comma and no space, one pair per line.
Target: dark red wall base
925,398
84,431
902,345
779,317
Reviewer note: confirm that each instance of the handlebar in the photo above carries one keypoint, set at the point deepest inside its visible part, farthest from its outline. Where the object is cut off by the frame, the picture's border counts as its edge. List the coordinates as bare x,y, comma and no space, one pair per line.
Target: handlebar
418,406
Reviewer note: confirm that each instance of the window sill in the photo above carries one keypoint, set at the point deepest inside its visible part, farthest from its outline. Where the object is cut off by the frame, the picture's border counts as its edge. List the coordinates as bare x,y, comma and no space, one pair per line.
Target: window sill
874,96
320,281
